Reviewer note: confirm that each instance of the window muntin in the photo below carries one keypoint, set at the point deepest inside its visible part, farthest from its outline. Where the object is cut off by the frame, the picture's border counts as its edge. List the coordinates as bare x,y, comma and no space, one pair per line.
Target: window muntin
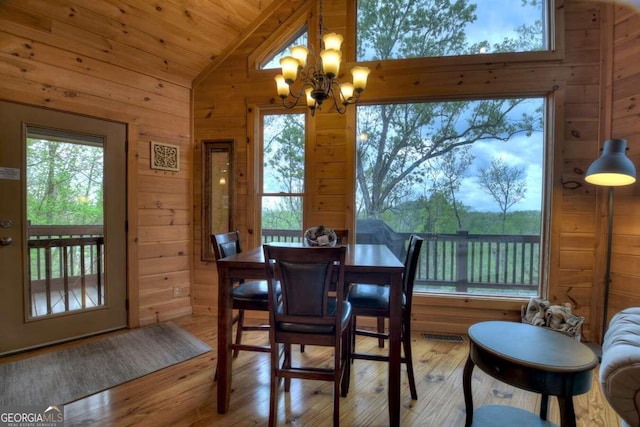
283,158
395,29
469,176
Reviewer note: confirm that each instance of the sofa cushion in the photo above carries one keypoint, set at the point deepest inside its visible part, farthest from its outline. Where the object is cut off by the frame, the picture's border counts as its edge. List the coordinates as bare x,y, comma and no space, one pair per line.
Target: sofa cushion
620,366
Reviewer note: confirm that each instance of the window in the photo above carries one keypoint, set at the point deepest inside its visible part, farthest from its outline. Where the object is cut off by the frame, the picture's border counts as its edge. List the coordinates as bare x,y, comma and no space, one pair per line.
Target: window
274,61
65,198
466,175
393,29
282,187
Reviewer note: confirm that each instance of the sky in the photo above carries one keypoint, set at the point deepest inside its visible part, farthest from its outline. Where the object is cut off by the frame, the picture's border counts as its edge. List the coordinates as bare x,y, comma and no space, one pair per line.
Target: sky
523,152
496,20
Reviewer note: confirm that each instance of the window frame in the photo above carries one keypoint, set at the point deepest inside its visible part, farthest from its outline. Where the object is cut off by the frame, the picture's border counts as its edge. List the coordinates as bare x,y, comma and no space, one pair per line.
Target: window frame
556,52
257,171
552,131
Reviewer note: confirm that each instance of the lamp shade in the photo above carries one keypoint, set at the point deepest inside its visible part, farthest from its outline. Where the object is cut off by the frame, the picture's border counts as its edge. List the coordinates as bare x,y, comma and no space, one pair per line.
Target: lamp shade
613,167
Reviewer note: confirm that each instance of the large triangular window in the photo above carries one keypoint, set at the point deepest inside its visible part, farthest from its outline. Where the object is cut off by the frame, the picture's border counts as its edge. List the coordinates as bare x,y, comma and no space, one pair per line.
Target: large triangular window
273,61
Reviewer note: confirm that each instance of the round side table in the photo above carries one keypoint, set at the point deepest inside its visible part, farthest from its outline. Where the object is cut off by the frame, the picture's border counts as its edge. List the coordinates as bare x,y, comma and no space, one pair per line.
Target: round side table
531,358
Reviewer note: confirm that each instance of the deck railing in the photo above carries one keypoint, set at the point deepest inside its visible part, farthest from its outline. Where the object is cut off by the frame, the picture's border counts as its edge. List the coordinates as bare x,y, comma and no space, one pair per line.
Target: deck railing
66,268
65,257
463,262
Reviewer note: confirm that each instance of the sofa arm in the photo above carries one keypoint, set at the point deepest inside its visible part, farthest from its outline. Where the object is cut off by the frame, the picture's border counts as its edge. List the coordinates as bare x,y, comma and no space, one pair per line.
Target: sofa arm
620,366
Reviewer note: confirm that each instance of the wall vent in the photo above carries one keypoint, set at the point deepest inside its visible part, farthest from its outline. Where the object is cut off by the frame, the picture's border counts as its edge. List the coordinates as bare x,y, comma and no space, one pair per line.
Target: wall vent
440,337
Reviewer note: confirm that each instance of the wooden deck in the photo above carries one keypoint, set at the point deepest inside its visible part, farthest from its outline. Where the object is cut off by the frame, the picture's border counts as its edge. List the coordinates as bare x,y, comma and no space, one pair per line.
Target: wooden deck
184,395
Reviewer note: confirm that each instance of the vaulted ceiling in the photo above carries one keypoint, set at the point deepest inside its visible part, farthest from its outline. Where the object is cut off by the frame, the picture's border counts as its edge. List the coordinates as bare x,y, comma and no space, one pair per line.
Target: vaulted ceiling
173,40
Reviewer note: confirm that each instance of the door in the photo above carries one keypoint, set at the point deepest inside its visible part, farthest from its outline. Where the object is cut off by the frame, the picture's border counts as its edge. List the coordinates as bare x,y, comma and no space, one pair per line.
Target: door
62,258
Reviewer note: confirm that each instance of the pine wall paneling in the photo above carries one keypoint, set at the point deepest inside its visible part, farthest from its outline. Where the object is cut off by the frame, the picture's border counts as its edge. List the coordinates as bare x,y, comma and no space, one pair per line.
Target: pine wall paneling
54,57
625,123
577,76
54,54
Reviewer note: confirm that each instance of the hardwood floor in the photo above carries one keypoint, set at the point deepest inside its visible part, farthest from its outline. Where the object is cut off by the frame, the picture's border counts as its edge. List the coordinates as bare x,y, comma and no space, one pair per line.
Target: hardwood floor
185,394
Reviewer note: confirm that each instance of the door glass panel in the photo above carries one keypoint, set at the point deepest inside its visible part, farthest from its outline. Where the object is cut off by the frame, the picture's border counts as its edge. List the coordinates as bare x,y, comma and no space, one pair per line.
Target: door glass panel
65,220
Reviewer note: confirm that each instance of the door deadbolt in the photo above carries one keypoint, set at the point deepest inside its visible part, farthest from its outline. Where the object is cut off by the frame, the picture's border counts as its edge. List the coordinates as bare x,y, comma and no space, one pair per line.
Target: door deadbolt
6,223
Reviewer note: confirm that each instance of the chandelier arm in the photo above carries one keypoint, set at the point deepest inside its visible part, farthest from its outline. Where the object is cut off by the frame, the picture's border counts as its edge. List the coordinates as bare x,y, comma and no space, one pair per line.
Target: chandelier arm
336,92
354,99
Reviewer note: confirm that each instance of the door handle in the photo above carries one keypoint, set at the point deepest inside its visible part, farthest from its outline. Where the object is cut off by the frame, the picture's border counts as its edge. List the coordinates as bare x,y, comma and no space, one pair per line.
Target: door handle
6,241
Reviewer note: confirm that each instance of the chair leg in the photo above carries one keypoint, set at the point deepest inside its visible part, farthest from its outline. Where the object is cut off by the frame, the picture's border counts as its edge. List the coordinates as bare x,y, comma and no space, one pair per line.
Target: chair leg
337,379
406,343
353,337
381,331
287,365
273,389
336,401
345,367
239,327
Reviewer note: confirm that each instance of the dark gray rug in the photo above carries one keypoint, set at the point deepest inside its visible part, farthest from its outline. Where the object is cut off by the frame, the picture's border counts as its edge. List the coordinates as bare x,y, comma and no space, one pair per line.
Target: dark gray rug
70,374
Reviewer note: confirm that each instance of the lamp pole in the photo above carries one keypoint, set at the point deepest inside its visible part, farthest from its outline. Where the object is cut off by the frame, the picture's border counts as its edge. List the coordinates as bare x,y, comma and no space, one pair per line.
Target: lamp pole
607,273
612,169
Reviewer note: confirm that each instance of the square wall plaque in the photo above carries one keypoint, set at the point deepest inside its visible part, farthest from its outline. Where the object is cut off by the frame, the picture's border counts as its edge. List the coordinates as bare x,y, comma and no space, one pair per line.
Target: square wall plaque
165,157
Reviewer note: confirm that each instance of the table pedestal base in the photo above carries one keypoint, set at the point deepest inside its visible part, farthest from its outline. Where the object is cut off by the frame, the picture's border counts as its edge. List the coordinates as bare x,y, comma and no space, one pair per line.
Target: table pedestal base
507,416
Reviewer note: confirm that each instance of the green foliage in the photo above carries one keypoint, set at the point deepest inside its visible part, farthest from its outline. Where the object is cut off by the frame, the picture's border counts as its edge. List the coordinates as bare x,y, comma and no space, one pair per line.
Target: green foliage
400,141
435,214
283,171
505,184
390,29
402,138
283,153
64,183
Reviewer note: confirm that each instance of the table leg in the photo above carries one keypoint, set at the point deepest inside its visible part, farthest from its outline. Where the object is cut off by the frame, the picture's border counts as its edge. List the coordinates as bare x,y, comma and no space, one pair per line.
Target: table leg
466,388
395,326
544,406
225,313
567,413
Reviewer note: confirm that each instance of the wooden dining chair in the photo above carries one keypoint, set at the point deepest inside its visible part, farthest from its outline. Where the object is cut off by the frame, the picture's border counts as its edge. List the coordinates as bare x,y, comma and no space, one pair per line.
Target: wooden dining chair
343,235
343,239
307,312
247,295
371,300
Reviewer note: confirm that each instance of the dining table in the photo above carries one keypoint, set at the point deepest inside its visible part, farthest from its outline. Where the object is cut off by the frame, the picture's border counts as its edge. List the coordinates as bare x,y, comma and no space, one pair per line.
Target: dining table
364,263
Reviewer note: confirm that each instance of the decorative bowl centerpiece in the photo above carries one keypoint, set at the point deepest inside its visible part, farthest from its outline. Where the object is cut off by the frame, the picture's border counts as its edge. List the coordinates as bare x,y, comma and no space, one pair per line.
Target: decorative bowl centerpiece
320,236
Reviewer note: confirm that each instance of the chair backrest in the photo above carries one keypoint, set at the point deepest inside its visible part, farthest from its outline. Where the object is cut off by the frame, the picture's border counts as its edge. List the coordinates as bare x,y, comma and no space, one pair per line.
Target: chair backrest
306,277
411,267
343,235
226,244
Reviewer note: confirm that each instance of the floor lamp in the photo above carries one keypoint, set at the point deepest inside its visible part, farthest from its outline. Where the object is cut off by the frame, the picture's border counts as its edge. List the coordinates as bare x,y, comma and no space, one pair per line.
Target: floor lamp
612,169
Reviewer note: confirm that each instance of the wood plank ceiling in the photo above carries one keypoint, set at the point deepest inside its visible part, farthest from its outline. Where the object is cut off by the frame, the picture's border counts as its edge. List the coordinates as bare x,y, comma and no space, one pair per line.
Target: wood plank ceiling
173,40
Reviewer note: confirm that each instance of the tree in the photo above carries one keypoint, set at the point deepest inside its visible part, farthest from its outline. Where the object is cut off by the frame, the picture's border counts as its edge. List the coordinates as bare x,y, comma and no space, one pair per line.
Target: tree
64,182
283,171
506,184
400,138
446,174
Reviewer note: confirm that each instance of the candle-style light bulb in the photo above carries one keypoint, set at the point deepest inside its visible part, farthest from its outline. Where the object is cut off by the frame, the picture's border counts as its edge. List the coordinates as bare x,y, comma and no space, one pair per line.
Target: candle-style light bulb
289,66
360,75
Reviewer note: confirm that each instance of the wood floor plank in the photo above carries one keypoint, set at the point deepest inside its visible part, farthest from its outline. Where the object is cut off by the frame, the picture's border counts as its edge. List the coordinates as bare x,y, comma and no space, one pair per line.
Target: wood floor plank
185,394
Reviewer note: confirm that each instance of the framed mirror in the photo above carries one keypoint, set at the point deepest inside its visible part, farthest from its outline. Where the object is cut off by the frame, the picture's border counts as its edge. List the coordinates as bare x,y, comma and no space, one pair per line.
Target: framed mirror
217,192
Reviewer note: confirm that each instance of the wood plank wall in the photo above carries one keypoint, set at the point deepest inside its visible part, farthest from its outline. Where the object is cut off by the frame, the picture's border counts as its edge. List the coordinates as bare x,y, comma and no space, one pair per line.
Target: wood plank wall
624,122
573,83
53,58
43,63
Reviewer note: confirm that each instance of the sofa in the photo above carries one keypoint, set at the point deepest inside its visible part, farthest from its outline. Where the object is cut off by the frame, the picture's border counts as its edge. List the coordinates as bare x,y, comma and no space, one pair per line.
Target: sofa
620,366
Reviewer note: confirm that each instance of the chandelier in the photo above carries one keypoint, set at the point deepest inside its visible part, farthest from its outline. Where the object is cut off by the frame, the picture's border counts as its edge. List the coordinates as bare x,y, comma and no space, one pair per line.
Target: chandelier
318,80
